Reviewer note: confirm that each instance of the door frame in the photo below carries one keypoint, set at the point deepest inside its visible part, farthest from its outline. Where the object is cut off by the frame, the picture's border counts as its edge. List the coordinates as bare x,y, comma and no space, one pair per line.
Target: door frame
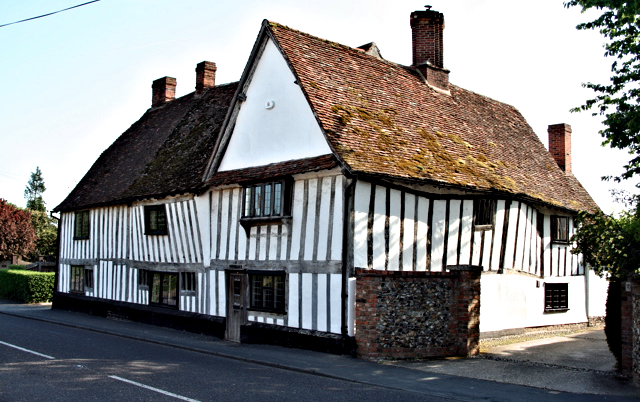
237,304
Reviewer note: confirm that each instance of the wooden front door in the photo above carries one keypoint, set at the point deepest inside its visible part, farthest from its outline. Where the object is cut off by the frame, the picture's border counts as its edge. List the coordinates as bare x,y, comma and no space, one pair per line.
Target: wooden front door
236,304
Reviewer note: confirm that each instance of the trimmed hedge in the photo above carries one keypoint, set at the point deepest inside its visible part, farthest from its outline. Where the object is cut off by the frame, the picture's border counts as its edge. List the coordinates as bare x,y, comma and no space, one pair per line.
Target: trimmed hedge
26,286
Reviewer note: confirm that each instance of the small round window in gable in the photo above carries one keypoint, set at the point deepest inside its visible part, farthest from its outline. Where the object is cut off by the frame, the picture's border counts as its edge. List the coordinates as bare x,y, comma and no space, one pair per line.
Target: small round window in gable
270,105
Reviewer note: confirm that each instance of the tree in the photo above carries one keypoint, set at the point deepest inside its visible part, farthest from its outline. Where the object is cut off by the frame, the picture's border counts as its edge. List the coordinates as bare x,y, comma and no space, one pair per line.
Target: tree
17,236
46,235
618,101
33,191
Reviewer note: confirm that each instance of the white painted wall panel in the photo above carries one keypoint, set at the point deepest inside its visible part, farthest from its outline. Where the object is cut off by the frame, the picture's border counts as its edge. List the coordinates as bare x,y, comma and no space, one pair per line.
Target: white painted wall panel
287,131
361,216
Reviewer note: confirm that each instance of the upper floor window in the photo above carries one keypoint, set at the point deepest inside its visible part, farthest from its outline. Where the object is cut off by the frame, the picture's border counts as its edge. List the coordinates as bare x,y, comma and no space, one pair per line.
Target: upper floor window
155,220
81,226
560,229
265,200
484,212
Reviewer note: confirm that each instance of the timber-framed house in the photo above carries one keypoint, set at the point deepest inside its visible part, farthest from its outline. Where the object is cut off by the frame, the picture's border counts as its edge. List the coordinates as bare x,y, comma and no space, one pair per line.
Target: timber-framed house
330,199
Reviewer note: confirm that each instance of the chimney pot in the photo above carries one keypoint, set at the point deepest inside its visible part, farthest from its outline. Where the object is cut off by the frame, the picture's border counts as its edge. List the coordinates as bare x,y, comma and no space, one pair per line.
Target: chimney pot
164,90
205,76
560,145
427,31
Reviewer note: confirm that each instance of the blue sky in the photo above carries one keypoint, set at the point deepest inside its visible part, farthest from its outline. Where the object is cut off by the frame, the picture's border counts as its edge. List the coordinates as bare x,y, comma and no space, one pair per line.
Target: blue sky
74,81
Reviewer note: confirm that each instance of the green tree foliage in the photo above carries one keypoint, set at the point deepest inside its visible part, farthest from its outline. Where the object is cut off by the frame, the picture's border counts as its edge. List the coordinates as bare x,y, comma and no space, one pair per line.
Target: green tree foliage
619,100
610,244
46,235
33,191
17,236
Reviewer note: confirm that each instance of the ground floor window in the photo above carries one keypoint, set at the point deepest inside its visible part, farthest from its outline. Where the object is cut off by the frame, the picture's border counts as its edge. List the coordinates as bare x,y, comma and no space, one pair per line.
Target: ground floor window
188,282
76,284
88,279
164,288
556,296
267,291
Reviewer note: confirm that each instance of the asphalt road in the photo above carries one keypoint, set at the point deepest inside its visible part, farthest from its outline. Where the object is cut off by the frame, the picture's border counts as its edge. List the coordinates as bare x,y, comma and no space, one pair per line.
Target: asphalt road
40,361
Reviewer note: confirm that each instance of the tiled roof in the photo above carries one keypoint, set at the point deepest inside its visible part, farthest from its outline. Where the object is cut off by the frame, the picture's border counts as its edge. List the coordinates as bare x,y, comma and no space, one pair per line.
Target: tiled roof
164,153
382,119
274,170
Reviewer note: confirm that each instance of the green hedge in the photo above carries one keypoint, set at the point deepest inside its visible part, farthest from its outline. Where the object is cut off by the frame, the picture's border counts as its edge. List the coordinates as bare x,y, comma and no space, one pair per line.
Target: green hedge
26,286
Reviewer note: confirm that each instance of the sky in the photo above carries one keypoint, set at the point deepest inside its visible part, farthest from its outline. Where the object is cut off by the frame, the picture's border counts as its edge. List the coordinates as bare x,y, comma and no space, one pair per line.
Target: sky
74,81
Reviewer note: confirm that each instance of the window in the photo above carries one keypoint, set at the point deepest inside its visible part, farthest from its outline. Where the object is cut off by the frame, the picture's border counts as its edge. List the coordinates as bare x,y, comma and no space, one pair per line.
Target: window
155,220
560,229
556,297
81,227
76,284
164,289
143,279
88,279
265,200
483,213
188,282
267,291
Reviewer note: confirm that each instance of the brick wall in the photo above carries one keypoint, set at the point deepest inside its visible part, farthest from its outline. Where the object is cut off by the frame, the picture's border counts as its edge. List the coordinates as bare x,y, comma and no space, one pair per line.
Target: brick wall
630,305
417,314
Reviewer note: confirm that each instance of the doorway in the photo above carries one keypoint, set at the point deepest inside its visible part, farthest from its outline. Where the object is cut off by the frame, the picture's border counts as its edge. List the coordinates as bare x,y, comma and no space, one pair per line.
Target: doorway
236,304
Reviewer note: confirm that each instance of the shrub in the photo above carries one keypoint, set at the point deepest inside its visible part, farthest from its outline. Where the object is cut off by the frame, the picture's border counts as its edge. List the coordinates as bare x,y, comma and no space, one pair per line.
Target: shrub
613,321
26,286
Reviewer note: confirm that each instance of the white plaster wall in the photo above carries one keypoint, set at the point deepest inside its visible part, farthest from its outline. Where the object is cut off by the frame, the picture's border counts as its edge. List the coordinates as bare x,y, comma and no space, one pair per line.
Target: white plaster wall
509,301
598,288
287,131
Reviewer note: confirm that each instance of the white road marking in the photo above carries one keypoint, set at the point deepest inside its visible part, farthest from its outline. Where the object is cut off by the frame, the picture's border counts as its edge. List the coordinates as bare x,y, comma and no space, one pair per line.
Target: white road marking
184,398
27,350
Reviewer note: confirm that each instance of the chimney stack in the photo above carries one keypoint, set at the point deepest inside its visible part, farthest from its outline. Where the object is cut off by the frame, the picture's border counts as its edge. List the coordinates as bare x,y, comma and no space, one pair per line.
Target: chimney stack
164,90
205,76
560,145
427,28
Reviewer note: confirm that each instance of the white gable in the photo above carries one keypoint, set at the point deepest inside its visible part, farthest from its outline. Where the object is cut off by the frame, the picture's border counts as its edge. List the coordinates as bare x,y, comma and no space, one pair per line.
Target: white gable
275,122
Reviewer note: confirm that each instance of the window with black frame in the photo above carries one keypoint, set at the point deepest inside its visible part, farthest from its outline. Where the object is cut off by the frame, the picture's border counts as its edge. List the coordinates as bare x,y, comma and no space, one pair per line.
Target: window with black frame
164,289
267,291
265,200
88,279
560,229
484,212
188,282
143,279
556,296
76,279
155,220
81,225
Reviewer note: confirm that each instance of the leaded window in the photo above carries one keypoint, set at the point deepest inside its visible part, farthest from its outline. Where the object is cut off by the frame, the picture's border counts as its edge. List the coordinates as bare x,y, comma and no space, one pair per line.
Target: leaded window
76,284
264,200
556,296
560,229
267,291
81,225
484,212
155,220
164,289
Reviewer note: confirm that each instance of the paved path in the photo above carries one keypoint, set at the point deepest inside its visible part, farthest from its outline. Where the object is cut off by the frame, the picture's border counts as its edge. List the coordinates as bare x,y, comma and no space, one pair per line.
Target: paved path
512,372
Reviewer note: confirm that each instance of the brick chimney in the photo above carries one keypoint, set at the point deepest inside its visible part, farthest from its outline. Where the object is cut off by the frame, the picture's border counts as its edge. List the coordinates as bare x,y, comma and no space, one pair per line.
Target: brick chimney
205,76
164,90
560,145
427,28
